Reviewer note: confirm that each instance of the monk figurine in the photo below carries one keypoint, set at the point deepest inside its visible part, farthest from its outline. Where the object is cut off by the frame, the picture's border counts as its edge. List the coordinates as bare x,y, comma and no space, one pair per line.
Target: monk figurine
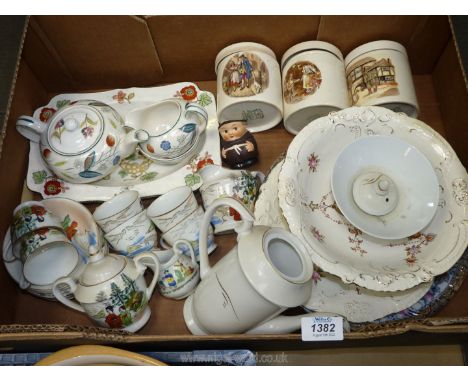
238,145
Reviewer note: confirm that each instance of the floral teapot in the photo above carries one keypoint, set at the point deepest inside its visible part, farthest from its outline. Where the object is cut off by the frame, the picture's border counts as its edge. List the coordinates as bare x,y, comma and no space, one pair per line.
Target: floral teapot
267,272
82,142
112,290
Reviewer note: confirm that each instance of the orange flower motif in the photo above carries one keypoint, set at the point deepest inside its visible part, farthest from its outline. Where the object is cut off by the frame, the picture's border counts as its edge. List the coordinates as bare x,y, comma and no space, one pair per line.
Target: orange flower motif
188,93
71,230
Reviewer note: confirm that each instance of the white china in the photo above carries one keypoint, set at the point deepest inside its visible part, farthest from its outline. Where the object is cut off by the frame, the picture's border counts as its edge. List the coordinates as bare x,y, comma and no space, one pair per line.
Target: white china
267,272
112,290
30,216
188,229
357,304
83,141
339,248
179,274
267,208
174,129
136,172
249,86
24,247
135,235
385,187
220,182
77,222
118,210
314,83
80,228
170,209
378,74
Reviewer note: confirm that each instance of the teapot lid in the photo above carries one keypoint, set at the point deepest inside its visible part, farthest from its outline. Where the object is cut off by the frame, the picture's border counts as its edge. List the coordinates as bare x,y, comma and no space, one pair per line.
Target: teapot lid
75,129
102,267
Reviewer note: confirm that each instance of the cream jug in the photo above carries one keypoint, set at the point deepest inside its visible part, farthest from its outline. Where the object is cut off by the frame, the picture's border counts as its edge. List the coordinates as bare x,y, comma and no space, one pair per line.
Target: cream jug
220,182
267,272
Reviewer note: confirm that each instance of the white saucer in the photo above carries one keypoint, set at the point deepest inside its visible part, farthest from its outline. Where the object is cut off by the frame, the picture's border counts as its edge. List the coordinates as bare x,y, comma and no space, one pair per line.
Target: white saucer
410,196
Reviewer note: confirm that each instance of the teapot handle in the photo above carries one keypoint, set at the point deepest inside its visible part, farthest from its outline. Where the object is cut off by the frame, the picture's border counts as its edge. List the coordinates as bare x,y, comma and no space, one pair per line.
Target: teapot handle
154,265
194,108
241,229
65,301
30,128
186,243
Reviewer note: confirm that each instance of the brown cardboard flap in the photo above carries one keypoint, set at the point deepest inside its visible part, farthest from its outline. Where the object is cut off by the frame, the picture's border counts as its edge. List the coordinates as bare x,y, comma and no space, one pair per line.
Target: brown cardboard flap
187,46
348,33
103,51
45,61
428,42
28,94
453,97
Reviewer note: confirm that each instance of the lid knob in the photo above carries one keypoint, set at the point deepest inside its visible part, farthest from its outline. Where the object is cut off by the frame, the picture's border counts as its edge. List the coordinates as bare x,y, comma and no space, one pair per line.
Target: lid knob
375,193
71,124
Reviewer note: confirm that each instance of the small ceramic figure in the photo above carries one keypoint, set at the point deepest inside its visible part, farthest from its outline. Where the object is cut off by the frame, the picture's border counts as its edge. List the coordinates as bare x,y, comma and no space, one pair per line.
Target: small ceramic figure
238,145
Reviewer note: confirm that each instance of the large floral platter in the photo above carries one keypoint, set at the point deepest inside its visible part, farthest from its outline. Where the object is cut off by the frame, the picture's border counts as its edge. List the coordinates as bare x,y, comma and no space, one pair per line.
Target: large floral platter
337,247
135,172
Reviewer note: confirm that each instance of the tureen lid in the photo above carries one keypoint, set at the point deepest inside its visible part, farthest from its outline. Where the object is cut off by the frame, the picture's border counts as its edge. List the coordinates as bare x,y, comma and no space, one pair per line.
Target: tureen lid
310,45
75,129
242,47
101,268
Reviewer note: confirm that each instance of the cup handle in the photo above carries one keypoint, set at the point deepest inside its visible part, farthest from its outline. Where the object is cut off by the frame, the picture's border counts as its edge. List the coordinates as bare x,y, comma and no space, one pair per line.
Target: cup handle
194,108
154,266
65,301
192,253
9,250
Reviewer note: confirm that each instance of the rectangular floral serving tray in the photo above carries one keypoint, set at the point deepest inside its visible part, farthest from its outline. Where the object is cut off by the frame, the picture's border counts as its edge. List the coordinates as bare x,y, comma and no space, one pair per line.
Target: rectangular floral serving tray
135,172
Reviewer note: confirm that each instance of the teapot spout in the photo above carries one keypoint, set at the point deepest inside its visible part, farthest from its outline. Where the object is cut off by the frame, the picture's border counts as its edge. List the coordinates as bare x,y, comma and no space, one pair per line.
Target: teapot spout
288,324
131,140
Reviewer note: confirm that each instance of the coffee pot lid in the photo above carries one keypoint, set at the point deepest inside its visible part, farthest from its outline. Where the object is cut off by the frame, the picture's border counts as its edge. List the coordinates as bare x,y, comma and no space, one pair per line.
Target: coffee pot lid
75,129
101,267
277,265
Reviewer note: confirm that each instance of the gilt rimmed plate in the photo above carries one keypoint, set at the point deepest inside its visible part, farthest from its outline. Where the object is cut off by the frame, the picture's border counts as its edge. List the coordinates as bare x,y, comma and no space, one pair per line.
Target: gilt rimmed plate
337,247
329,293
135,172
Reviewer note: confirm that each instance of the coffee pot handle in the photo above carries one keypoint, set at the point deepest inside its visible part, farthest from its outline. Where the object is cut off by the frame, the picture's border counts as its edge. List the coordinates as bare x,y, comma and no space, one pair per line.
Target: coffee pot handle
243,228
194,108
153,264
30,128
65,301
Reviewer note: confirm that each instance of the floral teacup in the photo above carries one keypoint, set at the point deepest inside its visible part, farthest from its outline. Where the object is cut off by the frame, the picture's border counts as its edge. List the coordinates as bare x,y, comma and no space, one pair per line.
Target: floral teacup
30,216
179,274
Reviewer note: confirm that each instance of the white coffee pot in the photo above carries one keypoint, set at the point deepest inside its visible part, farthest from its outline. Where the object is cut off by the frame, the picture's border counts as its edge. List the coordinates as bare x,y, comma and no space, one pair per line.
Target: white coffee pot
267,272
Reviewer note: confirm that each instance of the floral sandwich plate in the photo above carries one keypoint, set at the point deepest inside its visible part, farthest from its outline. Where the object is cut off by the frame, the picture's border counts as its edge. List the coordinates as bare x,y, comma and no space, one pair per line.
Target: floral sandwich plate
80,228
337,247
359,305
135,172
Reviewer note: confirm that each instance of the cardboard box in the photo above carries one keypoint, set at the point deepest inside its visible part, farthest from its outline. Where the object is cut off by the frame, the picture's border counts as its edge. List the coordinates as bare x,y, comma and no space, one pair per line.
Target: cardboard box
92,53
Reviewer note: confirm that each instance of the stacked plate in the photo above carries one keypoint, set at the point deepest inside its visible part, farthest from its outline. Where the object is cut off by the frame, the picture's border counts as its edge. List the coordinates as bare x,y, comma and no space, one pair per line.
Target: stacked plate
380,200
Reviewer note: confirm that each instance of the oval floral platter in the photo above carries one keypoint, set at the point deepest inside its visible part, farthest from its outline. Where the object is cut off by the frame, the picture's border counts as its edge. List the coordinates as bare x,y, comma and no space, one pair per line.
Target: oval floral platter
360,305
337,247
135,172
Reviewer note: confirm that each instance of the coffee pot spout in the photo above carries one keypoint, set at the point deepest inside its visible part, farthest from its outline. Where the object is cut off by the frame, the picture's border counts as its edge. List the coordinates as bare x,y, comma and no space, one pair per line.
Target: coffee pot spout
288,324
